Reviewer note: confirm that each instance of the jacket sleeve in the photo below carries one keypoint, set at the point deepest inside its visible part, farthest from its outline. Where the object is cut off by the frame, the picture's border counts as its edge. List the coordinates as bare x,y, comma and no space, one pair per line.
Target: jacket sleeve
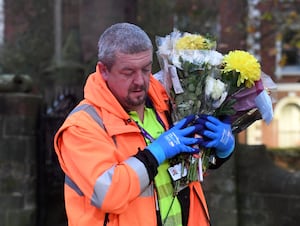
149,161
219,162
88,157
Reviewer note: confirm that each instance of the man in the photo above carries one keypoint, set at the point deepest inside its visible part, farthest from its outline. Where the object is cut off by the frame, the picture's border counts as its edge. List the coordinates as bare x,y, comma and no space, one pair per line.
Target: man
115,145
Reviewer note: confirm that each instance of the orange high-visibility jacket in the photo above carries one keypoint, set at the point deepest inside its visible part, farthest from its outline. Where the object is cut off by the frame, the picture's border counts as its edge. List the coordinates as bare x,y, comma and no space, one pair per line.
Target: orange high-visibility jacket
105,183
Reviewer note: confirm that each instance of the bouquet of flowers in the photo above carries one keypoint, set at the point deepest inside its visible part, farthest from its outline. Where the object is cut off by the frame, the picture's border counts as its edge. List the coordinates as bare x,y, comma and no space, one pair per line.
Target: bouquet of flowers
200,80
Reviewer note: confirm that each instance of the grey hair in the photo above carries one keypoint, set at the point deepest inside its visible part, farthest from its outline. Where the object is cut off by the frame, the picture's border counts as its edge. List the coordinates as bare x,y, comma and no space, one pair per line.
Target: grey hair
122,37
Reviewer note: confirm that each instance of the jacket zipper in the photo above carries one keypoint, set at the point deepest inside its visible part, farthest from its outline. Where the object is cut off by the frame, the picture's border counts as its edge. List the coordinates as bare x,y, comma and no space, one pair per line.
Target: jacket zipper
106,220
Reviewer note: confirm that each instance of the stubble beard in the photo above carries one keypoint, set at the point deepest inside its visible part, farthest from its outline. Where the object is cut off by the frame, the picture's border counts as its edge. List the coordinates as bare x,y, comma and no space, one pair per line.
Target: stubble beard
136,101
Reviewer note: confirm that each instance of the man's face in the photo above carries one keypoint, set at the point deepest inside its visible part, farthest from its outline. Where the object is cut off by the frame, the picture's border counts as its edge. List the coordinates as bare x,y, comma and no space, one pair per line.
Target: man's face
129,77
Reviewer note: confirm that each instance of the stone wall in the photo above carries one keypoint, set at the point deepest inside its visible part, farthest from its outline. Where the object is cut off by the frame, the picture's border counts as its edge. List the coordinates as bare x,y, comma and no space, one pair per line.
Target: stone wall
19,117
268,195
250,189
220,189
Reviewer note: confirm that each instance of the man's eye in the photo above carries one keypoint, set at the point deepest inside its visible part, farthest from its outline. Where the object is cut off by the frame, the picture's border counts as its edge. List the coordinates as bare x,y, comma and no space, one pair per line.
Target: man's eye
146,70
127,73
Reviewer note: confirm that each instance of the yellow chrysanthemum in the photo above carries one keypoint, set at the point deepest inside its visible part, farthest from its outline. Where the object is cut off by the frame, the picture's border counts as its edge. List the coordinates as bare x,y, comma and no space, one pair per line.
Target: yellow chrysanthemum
245,64
192,42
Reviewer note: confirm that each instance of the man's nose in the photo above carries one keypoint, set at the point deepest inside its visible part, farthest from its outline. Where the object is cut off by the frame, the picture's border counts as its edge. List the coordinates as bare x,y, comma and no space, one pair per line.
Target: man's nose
139,77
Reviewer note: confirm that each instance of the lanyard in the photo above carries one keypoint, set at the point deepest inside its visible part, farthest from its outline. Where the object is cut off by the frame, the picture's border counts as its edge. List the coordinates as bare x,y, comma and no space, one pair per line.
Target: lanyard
145,133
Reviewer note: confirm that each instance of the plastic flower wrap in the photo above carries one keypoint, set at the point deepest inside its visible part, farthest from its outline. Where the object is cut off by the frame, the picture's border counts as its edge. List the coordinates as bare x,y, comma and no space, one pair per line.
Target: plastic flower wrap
200,80
186,61
250,88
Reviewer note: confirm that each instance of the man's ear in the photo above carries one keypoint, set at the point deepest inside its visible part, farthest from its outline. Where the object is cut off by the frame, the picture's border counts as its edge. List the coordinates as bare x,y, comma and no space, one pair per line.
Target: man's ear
103,70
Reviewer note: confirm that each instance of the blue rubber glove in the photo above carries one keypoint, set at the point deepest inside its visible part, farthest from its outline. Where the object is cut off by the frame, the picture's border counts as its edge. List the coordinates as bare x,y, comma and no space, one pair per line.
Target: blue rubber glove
176,140
217,134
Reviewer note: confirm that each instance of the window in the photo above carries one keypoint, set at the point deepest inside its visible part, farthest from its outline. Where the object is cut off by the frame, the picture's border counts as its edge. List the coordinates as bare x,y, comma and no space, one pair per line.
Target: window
288,52
289,126
290,49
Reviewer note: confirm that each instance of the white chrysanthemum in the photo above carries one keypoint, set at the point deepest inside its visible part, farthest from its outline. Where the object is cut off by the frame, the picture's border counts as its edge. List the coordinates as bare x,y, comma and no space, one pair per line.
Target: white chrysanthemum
214,58
208,58
216,90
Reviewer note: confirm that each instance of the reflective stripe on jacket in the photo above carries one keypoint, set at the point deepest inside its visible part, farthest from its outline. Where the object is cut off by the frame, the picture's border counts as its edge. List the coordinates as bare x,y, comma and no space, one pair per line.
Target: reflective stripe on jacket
95,147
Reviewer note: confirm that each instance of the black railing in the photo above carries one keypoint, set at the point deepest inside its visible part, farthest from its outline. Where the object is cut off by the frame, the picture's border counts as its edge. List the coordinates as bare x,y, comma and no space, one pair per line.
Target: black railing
50,207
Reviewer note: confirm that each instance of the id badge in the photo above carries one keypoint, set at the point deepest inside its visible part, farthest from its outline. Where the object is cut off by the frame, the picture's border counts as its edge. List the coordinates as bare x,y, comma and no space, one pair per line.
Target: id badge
177,172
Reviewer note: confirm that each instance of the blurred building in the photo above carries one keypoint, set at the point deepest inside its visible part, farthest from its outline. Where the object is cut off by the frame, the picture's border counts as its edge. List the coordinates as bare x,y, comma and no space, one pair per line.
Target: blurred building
1,21
268,29
273,35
